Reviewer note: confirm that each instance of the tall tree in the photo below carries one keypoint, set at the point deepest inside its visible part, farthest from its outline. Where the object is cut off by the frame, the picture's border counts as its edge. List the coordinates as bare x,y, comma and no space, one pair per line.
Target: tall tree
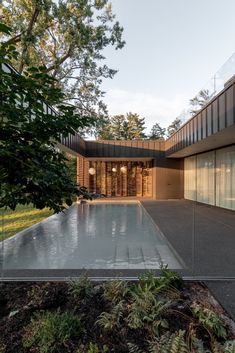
67,37
134,127
174,126
199,101
121,127
32,169
157,132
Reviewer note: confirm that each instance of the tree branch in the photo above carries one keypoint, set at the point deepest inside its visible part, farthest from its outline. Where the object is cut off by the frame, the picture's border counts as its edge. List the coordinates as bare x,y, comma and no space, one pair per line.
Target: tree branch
28,32
60,61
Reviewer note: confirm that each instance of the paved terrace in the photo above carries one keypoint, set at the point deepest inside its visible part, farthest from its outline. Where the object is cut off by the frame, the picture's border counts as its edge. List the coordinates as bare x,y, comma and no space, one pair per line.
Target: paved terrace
204,236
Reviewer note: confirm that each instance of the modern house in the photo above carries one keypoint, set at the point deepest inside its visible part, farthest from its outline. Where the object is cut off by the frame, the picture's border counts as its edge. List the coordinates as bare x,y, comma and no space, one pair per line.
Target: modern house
196,163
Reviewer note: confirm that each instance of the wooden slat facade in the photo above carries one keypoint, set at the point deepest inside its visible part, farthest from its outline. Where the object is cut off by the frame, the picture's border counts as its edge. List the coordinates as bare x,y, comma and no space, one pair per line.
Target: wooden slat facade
110,180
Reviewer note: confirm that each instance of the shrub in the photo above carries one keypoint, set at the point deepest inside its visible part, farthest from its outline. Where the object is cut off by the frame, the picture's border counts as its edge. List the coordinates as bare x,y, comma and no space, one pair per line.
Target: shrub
209,320
81,288
94,348
115,291
110,321
168,280
49,332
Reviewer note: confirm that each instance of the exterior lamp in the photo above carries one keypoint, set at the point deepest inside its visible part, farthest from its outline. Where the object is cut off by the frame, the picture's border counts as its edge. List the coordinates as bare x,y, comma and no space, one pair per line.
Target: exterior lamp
123,169
91,171
114,170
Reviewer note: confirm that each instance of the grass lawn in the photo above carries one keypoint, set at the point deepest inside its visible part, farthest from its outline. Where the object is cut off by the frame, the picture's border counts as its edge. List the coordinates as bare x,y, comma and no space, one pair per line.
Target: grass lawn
12,222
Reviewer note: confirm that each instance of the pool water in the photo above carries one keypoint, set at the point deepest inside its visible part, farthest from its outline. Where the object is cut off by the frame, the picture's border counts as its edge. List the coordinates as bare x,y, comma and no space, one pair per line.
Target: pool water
92,236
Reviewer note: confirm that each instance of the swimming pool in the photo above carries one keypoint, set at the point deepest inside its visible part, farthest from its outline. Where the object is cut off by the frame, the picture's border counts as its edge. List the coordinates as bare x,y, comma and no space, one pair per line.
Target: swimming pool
92,236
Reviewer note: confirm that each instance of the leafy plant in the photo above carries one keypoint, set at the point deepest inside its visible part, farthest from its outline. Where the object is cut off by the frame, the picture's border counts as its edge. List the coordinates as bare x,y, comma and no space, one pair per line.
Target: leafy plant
94,348
149,317
110,321
49,332
69,37
169,278
81,288
134,348
209,320
32,169
170,343
115,291
229,347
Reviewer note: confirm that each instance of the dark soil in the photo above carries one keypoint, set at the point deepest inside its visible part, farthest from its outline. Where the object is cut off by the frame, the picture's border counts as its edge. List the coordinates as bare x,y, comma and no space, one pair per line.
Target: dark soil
20,301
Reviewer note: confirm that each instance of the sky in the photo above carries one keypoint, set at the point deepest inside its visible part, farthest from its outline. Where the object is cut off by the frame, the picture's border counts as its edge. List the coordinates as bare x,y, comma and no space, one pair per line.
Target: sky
173,47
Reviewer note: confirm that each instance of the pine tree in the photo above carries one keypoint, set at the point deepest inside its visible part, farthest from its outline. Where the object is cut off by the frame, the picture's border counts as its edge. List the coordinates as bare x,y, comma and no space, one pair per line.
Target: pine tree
157,132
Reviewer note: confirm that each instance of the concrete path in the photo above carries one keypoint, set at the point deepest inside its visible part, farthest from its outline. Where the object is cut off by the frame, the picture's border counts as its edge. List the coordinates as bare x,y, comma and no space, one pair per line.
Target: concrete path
204,237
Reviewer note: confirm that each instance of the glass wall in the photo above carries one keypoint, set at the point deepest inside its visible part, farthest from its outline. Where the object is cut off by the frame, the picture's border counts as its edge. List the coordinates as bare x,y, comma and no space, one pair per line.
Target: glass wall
190,178
210,178
205,185
225,178
121,178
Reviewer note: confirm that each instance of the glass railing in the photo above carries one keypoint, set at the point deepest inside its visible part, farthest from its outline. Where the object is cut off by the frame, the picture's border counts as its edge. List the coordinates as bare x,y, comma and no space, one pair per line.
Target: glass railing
215,84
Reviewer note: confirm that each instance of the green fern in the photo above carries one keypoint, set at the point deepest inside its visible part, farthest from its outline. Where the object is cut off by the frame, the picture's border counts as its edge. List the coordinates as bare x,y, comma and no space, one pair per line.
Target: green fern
94,348
133,348
169,278
197,346
81,288
227,347
115,291
174,343
110,321
209,320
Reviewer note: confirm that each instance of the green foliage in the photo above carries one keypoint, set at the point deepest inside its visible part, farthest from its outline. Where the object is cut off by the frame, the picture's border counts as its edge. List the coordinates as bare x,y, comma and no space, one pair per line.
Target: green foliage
81,288
170,343
174,126
229,347
157,132
94,348
147,307
72,165
50,332
133,348
68,37
115,291
209,320
111,321
148,315
120,127
169,278
32,169
199,101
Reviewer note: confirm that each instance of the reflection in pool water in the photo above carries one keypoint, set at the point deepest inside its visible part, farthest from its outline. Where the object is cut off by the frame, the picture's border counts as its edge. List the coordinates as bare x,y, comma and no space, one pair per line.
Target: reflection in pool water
92,236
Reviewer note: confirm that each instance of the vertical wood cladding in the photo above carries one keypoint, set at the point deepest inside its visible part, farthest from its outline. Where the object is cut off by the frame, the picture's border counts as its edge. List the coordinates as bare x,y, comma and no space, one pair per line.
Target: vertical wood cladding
135,179
82,172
